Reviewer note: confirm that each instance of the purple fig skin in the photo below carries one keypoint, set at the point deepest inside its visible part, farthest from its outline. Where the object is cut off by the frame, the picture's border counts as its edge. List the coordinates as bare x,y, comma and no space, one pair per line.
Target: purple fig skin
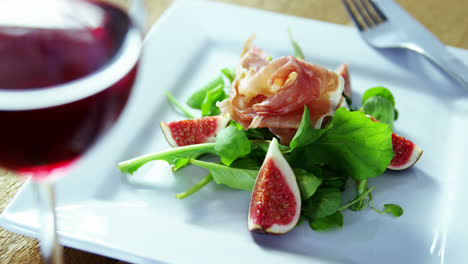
277,212
193,131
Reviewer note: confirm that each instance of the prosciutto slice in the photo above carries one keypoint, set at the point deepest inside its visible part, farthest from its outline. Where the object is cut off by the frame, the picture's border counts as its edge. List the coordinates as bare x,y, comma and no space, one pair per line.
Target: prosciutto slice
273,93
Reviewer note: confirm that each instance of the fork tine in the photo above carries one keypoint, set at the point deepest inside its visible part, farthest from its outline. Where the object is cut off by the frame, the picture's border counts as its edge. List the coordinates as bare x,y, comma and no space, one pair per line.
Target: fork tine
369,14
352,16
362,13
377,11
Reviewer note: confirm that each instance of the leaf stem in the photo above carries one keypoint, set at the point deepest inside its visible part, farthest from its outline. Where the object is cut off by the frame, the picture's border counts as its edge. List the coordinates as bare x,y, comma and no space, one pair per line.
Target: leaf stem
176,103
357,199
130,166
195,188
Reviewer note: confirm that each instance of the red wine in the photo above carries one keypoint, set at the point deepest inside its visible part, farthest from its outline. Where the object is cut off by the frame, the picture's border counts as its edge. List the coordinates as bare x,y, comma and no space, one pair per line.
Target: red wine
67,85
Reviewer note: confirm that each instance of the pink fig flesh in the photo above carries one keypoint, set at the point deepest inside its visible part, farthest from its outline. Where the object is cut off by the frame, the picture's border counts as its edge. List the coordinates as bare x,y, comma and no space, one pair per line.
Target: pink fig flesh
275,205
406,153
193,131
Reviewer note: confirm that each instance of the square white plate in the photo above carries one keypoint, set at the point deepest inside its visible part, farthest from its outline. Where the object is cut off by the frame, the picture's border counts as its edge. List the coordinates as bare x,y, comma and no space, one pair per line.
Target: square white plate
100,211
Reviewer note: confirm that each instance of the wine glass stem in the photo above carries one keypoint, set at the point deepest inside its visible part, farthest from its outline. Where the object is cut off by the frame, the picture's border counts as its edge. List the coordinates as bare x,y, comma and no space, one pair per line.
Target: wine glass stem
51,250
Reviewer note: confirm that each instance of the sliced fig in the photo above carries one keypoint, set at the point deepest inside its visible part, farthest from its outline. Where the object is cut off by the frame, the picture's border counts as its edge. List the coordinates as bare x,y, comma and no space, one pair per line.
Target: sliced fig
275,205
406,153
193,131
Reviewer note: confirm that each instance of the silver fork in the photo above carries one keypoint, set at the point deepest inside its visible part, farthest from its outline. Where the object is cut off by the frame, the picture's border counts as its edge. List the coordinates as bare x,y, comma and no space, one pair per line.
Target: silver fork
397,29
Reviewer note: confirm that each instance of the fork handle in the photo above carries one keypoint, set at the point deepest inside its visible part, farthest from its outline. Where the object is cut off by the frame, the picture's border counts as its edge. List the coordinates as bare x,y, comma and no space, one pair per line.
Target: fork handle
450,64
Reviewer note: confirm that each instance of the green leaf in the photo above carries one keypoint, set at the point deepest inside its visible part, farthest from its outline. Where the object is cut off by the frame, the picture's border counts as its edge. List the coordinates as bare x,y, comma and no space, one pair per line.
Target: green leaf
324,202
307,182
392,209
297,49
327,222
383,92
381,109
233,177
378,91
230,75
353,144
306,133
247,163
176,156
215,95
232,143
196,99
259,133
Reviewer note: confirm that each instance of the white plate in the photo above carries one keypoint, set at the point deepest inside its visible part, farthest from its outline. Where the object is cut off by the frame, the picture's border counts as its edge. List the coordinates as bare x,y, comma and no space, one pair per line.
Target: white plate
99,211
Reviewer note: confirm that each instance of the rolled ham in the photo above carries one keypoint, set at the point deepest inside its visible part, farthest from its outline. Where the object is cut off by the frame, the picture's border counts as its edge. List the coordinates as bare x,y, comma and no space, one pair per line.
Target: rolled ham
273,93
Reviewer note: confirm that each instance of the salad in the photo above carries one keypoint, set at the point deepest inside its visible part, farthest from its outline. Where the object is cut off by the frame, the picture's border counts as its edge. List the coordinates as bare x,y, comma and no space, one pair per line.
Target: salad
286,130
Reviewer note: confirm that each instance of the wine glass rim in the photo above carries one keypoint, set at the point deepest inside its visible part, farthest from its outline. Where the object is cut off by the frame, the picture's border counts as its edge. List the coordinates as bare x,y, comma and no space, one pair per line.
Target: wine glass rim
49,96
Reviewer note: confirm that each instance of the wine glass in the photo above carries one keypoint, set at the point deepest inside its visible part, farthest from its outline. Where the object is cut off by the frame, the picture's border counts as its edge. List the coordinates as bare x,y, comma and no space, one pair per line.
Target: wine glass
66,71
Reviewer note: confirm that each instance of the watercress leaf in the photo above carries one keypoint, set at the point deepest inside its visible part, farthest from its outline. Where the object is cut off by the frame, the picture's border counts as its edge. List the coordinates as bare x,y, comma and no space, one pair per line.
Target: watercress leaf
353,145
232,143
306,133
378,91
197,98
324,202
327,222
172,156
209,107
394,209
307,183
381,109
235,178
297,49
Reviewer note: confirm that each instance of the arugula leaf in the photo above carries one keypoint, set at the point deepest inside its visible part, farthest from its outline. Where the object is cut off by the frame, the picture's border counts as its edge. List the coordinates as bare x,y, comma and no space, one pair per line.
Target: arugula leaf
196,99
176,156
232,143
297,49
307,183
393,209
324,202
381,109
233,177
352,144
327,222
209,107
306,133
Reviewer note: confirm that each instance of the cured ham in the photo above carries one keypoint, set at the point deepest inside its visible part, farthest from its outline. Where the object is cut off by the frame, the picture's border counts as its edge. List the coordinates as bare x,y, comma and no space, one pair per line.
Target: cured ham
273,93
343,72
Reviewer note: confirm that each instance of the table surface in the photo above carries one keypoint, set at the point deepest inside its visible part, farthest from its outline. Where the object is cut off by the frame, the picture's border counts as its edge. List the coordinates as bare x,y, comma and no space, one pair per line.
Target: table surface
446,19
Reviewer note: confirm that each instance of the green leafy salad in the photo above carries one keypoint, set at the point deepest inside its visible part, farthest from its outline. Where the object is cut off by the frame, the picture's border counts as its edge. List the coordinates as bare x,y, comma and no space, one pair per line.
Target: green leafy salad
349,150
